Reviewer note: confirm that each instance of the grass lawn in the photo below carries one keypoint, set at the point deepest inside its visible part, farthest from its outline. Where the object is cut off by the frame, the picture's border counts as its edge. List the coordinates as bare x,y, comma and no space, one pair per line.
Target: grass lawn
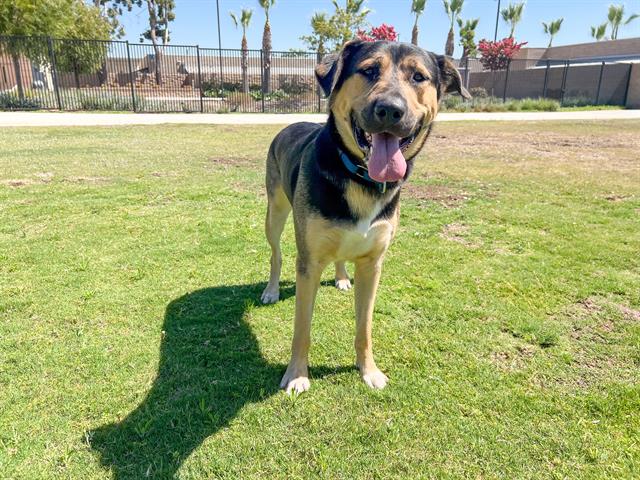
132,343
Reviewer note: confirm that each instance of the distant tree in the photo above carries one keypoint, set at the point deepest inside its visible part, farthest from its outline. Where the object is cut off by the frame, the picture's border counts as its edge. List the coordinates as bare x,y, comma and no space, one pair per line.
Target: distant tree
346,21
467,37
599,32
615,18
417,8
512,15
552,28
243,22
497,55
321,33
160,13
266,45
383,32
111,11
453,9
53,18
335,31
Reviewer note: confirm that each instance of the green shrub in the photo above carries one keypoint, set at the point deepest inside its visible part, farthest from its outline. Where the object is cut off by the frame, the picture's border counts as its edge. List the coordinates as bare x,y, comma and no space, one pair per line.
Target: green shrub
9,101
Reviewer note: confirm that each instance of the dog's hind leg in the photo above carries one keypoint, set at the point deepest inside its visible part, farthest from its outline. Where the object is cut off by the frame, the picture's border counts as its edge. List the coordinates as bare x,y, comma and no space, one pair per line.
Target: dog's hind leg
277,211
342,277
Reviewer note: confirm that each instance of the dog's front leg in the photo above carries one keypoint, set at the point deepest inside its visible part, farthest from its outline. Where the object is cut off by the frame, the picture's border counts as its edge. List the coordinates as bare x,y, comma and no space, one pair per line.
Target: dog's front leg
296,378
367,276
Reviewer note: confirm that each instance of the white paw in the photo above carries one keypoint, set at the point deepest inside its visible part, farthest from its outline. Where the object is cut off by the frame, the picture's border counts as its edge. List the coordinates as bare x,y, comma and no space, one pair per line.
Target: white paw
270,295
295,381
343,285
375,379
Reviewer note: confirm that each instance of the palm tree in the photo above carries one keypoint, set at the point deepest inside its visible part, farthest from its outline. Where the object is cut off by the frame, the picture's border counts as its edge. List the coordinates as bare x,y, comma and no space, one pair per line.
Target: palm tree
245,19
266,45
417,8
453,9
512,15
598,32
615,19
552,28
467,37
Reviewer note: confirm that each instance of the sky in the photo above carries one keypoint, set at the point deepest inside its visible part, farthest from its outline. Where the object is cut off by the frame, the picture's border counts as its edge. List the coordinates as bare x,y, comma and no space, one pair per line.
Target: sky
196,24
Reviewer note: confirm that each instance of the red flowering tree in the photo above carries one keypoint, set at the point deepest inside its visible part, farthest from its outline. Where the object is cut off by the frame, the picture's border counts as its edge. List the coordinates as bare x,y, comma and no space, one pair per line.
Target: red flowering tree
497,55
383,32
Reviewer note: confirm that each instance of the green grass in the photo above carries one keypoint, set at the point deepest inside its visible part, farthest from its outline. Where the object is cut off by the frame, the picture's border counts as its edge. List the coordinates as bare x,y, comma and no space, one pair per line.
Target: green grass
132,343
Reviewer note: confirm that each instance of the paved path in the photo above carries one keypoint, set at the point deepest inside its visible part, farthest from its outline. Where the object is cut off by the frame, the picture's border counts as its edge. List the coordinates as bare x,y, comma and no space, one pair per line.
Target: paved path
47,119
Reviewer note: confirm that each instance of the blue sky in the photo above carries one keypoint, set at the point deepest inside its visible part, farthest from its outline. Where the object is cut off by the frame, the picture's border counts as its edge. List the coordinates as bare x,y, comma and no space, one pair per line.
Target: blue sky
196,21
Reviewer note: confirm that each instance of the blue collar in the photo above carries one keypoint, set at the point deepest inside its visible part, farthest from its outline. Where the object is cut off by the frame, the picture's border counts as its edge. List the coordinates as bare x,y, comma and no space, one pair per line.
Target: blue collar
360,171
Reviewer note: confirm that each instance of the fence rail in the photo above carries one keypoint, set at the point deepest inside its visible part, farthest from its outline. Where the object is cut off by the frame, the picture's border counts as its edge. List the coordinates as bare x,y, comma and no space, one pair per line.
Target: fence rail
62,74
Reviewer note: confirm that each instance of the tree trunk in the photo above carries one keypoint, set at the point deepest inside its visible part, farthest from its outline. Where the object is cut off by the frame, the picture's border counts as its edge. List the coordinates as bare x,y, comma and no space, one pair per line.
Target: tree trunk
244,64
158,55
266,49
414,34
18,73
448,49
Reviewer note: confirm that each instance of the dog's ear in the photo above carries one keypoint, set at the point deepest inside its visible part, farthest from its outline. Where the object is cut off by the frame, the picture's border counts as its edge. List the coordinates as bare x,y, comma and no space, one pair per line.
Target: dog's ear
329,69
326,72
450,80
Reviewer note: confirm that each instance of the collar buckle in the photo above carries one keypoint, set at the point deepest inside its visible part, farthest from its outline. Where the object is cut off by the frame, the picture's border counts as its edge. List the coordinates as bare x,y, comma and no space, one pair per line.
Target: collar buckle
360,171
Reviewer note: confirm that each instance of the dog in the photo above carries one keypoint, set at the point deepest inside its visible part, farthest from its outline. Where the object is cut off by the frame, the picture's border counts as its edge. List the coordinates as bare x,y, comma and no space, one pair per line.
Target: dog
343,181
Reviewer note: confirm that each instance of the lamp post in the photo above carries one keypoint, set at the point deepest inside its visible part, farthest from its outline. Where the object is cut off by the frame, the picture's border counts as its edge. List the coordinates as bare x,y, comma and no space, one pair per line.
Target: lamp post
495,34
219,42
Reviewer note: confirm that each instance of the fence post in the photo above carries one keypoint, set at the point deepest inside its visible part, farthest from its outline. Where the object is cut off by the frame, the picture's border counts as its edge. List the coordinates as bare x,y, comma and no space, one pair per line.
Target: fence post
564,81
546,79
506,82
262,78
468,73
626,90
131,79
200,79
54,72
318,87
599,83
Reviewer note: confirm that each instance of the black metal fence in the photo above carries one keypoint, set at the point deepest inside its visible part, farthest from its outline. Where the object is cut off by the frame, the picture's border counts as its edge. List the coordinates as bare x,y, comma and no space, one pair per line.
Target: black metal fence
45,73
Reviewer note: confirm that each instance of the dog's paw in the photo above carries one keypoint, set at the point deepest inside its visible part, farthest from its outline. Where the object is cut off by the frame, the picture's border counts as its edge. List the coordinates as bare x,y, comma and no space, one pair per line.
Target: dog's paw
270,296
343,284
295,380
375,379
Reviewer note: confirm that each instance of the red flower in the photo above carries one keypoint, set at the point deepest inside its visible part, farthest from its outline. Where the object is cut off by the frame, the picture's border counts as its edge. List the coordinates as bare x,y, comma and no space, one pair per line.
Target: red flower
383,32
497,55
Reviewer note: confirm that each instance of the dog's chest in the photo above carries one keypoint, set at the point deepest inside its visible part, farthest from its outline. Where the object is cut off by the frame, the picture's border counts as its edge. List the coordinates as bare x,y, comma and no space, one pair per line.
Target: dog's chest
350,240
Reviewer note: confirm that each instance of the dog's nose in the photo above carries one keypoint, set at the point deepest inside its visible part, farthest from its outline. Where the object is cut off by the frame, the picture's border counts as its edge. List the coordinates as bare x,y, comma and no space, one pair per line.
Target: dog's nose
389,112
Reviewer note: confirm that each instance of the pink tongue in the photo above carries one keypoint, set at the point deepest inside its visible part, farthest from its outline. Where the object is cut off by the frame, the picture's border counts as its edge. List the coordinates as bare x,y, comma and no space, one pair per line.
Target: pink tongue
386,164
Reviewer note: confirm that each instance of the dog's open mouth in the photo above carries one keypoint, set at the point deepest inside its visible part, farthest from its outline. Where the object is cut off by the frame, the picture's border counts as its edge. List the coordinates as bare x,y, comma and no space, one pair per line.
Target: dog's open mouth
386,162
364,139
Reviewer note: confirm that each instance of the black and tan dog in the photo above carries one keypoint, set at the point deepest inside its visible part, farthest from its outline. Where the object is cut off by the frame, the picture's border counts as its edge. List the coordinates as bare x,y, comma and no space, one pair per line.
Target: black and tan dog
343,180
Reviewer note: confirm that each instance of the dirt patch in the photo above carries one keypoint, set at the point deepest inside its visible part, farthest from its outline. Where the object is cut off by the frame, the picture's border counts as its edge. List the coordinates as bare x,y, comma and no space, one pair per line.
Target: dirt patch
83,179
629,313
513,359
613,197
457,232
230,162
40,178
445,196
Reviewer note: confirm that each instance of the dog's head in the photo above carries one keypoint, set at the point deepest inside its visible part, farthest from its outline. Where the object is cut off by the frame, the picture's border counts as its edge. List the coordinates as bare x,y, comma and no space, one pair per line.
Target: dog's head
383,97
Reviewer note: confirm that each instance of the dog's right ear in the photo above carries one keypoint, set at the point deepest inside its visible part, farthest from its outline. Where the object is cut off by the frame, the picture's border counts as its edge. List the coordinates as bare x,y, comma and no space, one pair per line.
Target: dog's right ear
326,72
330,67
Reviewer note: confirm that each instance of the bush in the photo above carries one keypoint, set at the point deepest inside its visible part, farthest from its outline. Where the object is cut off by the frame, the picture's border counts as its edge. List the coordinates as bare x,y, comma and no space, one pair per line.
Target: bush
9,101
491,104
275,95
102,101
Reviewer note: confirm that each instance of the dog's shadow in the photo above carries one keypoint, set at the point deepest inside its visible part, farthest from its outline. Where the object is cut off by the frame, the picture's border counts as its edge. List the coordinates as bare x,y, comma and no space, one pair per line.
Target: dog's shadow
210,367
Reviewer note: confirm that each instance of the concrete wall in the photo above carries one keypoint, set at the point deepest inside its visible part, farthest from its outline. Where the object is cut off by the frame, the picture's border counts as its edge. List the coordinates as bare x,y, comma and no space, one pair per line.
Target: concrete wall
633,94
607,48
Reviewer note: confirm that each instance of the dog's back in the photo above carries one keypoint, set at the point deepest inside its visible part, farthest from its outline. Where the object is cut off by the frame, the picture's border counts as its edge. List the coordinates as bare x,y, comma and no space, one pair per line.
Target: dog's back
285,155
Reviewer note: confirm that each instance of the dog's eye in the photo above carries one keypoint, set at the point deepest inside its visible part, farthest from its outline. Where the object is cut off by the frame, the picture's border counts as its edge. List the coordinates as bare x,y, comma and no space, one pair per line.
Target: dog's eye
369,72
418,77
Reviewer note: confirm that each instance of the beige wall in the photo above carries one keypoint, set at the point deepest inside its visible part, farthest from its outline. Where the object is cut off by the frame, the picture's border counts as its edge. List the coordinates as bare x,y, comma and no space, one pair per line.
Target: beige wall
607,48
633,96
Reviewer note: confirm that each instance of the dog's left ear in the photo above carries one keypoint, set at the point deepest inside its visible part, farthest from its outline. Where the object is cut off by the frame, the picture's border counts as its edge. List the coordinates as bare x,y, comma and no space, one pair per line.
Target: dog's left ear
451,82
